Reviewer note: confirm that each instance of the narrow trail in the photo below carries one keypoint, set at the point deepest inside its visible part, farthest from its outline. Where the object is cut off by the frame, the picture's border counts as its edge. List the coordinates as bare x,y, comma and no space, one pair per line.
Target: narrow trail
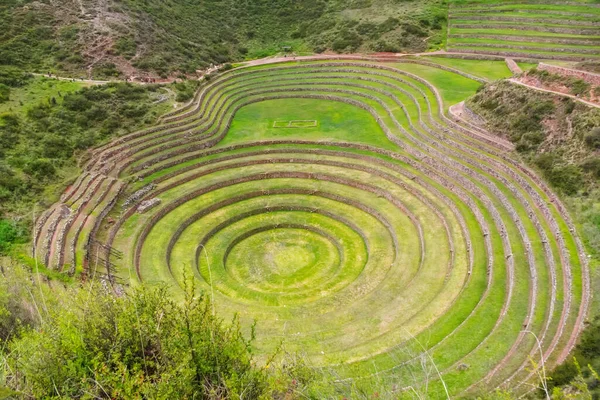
588,103
373,57
63,78
102,82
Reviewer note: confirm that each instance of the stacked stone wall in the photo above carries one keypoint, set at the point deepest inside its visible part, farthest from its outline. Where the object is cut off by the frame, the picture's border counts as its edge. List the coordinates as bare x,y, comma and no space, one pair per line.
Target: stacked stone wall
589,77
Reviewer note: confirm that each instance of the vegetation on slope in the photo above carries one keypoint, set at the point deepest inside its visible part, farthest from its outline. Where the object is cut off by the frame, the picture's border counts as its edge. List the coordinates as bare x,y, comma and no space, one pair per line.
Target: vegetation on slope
559,136
591,66
48,126
558,83
112,38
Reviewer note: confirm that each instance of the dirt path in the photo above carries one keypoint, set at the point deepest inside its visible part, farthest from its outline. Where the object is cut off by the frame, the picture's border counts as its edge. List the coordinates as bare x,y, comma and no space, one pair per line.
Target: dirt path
62,78
555,92
356,56
273,60
100,82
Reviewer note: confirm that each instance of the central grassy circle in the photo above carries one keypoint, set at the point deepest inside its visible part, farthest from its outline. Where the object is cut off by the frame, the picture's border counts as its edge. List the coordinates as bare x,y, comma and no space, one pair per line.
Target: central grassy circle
282,259
287,257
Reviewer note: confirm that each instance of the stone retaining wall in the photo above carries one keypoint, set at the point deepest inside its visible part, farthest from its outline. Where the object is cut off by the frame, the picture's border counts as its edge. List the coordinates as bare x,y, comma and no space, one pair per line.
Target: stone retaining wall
517,55
570,31
541,39
555,49
589,77
513,66
518,3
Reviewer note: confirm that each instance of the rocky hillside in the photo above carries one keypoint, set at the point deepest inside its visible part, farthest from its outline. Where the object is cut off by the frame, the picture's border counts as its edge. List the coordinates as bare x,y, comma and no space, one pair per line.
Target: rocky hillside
558,136
103,38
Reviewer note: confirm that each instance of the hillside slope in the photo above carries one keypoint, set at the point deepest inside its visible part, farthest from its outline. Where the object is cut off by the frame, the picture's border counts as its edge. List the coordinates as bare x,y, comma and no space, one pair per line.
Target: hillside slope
558,136
110,38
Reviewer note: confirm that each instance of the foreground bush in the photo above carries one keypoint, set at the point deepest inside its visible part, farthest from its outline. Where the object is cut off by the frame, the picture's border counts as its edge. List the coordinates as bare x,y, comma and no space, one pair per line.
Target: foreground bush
86,343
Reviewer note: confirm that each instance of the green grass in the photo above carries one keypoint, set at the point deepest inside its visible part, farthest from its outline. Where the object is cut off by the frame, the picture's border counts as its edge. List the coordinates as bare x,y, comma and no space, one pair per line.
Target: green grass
516,32
453,88
524,14
473,5
38,90
541,45
491,70
524,24
526,66
336,122
535,53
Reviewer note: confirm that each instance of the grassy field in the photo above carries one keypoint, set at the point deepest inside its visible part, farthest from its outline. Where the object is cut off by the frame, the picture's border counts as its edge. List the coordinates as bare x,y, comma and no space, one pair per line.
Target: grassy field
492,70
38,90
525,29
376,230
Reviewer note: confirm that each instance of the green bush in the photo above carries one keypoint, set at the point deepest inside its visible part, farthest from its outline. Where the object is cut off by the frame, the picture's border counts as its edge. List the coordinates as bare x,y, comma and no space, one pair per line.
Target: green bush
107,70
4,93
13,77
529,141
37,146
41,169
184,36
580,87
592,165
566,177
82,341
583,366
8,235
144,345
592,138
126,47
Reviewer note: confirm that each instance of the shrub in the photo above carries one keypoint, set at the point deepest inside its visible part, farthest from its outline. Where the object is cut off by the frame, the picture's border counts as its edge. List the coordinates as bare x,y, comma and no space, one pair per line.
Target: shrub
13,77
414,30
592,165
526,122
144,345
592,138
546,161
8,235
41,169
388,25
384,46
580,87
4,93
9,129
226,67
108,70
529,141
76,102
569,105
126,47
567,178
